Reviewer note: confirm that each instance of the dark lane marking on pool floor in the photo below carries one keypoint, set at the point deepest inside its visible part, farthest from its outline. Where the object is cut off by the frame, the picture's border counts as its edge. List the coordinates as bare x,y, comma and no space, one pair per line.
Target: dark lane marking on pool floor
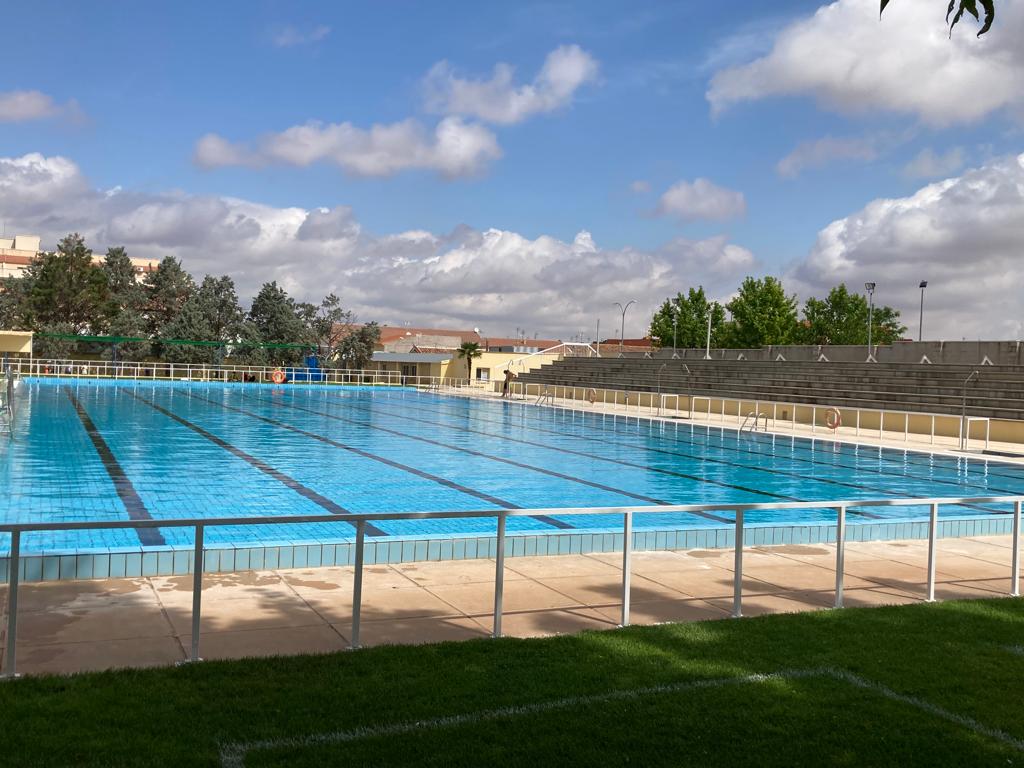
263,467
404,467
585,454
761,441
532,468
725,448
150,537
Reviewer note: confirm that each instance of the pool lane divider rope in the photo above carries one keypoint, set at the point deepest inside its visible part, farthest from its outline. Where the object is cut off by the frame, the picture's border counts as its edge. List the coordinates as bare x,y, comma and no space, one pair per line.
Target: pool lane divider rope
136,508
281,477
502,460
397,465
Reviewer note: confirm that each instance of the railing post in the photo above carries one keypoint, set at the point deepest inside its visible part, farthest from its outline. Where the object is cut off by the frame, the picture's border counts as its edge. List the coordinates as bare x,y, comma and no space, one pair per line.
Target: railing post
197,593
627,557
1015,556
737,586
357,584
840,553
499,576
933,524
13,576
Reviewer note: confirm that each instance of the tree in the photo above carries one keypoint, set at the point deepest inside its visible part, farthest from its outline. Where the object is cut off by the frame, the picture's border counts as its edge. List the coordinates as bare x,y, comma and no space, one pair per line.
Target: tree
15,312
328,326
66,288
191,324
125,290
842,318
356,349
46,348
128,323
469,351
273,315
762,314
691,314
167,289
219,305
966,6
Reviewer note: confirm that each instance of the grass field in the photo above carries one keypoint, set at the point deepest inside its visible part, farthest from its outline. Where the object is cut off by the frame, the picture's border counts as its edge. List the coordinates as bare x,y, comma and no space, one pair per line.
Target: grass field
932,685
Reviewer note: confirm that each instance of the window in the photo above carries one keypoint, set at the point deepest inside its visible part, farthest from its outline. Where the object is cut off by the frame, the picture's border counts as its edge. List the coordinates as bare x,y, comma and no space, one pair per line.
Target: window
483,374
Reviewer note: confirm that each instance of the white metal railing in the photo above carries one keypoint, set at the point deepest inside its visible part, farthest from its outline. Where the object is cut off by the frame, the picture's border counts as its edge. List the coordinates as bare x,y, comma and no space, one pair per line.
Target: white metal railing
157,371
501,515
730,410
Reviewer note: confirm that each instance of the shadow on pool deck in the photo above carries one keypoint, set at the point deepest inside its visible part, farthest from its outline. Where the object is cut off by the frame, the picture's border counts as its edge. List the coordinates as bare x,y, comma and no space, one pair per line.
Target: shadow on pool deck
87,625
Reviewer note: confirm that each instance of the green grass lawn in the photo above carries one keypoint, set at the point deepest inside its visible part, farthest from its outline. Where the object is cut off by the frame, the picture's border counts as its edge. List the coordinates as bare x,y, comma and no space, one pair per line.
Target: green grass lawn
939,684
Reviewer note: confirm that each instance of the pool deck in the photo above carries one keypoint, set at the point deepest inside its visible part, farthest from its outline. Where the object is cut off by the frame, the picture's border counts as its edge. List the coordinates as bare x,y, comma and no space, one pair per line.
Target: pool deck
83,625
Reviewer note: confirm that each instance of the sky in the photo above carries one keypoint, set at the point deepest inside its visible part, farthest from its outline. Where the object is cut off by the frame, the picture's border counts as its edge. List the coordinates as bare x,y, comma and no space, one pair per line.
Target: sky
526,165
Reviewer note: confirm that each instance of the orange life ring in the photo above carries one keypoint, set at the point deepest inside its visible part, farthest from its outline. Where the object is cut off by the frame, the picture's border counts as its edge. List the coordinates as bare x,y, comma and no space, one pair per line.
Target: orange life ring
277,376
833,419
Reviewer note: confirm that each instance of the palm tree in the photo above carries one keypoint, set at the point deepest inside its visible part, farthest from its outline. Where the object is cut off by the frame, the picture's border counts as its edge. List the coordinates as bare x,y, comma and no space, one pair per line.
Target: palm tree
468,351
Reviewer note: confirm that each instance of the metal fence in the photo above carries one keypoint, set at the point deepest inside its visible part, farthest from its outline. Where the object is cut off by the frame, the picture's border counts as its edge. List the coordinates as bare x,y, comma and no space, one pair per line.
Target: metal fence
161,371
731,410
627,513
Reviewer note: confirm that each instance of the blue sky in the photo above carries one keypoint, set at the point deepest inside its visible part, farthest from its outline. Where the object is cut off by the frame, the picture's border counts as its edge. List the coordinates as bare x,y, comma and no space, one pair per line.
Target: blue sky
134,88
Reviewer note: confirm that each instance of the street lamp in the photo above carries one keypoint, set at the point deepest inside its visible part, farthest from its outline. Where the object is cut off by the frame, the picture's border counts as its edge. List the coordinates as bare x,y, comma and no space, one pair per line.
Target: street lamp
622,329
707,348
675,332
870,288
920,322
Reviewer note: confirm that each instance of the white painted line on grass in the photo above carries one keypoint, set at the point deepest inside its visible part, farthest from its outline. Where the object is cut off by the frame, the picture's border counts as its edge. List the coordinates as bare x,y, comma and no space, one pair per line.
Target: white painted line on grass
233,755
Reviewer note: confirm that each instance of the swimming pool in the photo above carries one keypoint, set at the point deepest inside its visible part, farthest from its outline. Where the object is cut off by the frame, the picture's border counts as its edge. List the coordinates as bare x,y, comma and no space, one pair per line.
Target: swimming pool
98,450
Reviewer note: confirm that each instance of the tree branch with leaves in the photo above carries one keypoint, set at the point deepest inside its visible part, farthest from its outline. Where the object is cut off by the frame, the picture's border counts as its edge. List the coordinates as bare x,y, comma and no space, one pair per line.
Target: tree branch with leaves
966,6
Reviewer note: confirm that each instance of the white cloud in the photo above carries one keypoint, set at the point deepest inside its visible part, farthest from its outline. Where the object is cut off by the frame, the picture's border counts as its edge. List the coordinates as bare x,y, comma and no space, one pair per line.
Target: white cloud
499,99
927,164
494,279
26,106
962,235
701,199
290,36
821,152
454,149
848,60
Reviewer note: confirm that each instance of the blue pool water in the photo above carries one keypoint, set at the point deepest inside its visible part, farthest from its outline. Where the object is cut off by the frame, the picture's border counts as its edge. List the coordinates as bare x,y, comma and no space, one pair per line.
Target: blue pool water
92,450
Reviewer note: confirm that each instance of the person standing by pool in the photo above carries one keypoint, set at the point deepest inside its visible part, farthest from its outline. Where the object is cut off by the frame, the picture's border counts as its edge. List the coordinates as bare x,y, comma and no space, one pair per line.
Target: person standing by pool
509,376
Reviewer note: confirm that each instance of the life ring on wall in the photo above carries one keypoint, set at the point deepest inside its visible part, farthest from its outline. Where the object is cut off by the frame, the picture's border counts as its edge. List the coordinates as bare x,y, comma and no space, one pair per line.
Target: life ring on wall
277,376
833,419
591,395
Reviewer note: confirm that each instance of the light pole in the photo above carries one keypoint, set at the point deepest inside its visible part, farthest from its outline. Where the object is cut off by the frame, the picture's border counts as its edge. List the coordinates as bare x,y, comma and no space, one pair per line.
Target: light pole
661,371
870,288
622,329
675,333
920,322
707,348
597,338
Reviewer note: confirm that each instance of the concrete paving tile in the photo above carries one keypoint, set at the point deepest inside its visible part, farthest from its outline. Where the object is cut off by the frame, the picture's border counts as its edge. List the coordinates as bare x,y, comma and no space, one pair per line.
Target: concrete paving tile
962,567
602,590
422,630
554,621
432,574
177,590
790,602
478,599
277,641
713,583
854,598
802,577
73,595
111,622
66,658
661,611
378,603
245,613
541,567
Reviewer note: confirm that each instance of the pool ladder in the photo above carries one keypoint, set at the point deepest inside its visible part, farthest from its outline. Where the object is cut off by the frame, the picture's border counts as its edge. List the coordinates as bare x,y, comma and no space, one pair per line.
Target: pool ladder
752,427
